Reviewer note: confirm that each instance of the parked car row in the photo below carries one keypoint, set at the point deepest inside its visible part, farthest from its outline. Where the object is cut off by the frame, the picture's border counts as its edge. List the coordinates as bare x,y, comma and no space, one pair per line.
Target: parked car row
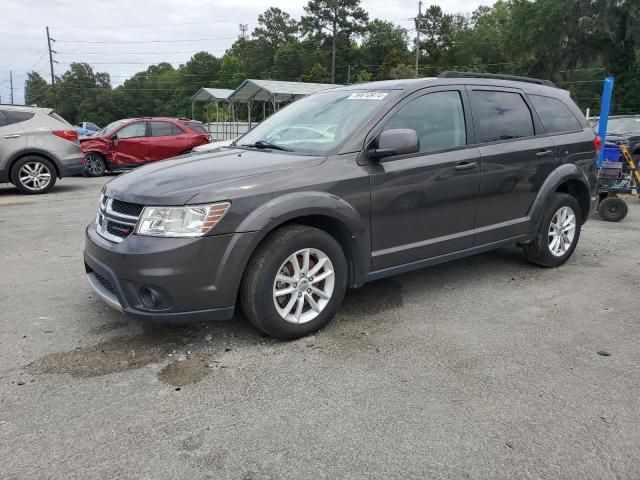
38,146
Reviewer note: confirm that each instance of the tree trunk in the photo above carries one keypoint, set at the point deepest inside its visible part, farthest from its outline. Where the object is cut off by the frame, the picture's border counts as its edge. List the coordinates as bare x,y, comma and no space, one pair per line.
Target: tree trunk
333,54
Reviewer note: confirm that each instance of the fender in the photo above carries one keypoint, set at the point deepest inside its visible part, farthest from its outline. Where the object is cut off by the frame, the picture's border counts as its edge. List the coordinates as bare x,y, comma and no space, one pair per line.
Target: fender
5,175
294,205
560,175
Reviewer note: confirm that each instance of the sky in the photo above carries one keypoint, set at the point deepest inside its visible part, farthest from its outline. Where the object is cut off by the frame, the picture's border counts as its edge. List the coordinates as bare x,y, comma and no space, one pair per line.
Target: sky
123,37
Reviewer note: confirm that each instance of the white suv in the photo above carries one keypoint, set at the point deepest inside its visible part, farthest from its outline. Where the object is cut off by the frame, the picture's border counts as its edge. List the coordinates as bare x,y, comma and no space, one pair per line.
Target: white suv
37,146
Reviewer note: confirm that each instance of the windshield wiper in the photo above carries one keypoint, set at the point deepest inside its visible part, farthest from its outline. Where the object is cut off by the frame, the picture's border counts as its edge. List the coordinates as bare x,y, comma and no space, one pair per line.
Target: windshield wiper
263,145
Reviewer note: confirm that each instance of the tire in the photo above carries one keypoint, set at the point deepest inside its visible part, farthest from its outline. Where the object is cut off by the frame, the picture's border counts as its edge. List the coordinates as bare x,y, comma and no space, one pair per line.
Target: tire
33,175
613,209
186,152
94,165
539,251
274,258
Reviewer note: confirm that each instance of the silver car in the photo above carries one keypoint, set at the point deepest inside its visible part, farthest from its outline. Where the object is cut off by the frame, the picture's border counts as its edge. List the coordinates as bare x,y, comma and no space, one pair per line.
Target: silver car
37,146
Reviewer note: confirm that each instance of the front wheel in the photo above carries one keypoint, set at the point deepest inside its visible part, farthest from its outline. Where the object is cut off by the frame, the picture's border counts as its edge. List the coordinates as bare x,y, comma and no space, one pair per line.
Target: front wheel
558,232
94,165
295,282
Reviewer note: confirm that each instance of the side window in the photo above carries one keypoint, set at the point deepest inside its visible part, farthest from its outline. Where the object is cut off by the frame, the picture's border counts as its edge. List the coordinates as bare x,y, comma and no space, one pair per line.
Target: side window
3,119
437,117
161,129
18,117
133,130
555,115
176,130
92,126
500,116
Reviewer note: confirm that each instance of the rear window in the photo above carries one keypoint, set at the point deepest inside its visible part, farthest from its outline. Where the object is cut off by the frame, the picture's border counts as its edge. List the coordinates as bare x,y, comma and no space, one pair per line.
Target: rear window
196,127
162,129
554,114
12,116
500,116
59,118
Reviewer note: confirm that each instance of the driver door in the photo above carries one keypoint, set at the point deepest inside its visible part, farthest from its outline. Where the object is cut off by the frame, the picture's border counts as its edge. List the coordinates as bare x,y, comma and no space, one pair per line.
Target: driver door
130,145
424,204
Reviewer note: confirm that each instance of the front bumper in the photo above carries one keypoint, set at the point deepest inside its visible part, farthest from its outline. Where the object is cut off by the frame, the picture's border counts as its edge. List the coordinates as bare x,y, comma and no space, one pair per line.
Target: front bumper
169,280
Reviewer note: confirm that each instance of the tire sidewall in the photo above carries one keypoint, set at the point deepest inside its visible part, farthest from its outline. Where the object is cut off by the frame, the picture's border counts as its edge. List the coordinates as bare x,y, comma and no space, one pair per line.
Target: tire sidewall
558,201
15,177
616,216
270,320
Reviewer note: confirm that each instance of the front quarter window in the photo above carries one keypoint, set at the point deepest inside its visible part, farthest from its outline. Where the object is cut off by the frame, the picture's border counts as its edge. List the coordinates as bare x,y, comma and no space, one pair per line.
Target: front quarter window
316,124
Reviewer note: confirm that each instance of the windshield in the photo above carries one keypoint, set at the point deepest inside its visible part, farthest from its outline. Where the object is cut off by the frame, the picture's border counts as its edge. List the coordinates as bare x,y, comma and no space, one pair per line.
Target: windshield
315,124
109,128
623,125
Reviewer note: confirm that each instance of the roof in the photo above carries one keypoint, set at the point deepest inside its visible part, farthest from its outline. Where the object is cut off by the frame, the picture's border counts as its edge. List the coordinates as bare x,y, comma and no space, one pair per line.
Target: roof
267,90
212,94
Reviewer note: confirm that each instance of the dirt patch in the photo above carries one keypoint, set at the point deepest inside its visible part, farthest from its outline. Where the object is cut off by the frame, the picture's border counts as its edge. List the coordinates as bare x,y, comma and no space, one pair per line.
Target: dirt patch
372,298
186,372
116,355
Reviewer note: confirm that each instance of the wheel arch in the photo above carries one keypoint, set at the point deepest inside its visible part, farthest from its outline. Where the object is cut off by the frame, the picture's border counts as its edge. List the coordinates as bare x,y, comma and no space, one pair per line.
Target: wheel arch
570,179
33,153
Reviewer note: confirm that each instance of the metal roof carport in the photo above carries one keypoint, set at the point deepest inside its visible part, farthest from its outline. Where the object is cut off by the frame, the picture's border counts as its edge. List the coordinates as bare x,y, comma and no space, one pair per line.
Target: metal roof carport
210,95
274,92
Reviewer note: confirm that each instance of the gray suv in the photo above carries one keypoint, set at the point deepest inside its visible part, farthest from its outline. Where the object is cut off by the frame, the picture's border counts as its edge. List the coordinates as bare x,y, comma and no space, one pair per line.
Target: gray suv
346,186
36,147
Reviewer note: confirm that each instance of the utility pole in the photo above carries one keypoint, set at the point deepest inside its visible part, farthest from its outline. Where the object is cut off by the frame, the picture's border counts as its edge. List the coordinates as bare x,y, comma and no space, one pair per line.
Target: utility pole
11,84
243,30
51,52
418,25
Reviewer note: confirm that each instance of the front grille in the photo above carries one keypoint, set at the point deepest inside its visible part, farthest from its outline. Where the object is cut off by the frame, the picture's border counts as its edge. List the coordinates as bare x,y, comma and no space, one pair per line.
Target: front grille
104,282
119,229
126,208
116,220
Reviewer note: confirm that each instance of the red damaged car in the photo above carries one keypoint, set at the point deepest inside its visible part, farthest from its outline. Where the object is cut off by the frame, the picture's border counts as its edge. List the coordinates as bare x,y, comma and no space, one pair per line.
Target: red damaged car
127,144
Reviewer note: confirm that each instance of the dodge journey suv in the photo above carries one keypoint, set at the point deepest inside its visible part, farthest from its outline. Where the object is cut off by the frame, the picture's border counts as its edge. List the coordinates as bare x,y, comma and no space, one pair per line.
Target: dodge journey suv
342,187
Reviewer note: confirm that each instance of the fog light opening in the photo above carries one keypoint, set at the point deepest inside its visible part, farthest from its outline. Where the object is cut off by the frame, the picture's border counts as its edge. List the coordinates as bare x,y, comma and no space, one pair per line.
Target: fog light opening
150,297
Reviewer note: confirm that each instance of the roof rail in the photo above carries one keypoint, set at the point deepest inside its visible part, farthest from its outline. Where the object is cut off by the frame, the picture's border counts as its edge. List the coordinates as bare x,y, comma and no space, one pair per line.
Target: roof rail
496,76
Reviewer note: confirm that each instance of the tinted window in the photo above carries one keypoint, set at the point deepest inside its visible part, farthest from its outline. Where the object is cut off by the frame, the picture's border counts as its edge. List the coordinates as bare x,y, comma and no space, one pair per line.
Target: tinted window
17,117
161,129
3,119
92,126
176,129
555,115
500,116
133,130
196,127
437,117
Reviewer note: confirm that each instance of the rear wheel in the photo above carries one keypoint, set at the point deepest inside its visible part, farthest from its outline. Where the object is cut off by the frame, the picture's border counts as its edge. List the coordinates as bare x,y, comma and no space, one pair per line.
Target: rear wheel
613,209
295,282
558,233
33,175
94,165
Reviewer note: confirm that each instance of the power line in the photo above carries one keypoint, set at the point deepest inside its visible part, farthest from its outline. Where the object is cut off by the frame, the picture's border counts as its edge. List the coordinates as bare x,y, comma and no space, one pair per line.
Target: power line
113,42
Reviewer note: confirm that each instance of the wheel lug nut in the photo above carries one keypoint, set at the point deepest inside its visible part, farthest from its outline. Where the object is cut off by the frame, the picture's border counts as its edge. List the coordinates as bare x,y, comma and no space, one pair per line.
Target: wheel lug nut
295,285
311,279
299,294
308,290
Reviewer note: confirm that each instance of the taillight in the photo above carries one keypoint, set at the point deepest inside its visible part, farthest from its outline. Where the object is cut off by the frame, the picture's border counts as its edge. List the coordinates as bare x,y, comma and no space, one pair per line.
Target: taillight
597,142
70,135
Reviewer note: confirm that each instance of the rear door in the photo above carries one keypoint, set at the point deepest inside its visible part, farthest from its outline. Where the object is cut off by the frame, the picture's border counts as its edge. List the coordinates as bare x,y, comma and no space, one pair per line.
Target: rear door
165,140
130,145
515,160
13,137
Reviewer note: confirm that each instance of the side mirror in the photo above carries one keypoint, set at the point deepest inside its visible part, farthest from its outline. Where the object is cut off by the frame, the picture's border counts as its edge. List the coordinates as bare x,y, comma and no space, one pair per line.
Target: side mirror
399,141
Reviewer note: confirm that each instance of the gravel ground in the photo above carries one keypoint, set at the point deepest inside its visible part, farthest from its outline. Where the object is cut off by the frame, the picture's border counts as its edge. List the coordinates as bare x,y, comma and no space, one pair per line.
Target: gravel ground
485,368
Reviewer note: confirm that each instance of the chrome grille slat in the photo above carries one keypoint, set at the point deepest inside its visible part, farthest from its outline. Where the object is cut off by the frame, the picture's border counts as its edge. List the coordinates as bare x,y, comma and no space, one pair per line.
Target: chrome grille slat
114,225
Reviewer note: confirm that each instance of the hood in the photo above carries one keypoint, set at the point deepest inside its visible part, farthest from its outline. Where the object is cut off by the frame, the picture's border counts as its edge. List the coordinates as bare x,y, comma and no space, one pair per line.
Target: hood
176,181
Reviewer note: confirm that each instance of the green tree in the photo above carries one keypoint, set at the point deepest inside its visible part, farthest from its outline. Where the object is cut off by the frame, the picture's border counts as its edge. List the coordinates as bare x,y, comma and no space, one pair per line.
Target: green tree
333,19
380,39
317,74
275,27
36,90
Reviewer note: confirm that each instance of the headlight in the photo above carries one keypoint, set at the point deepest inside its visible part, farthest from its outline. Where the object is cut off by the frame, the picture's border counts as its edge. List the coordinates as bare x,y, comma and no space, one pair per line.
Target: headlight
188,221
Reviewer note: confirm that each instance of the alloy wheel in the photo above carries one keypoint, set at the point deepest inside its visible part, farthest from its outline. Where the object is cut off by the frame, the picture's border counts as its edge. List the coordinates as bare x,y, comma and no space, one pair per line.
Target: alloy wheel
93,164
562,231
303,285
34,176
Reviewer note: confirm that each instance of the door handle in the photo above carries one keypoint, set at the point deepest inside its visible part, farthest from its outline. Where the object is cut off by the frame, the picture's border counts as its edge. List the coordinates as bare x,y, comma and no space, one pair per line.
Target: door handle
466,166
544,153
14,135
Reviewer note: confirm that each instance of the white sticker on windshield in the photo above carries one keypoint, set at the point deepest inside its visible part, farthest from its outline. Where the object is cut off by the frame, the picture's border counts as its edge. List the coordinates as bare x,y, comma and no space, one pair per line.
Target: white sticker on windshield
367,96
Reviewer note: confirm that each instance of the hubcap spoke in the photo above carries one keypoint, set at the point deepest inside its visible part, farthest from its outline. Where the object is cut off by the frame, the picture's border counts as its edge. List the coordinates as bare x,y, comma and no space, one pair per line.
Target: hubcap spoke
303,286
562,231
